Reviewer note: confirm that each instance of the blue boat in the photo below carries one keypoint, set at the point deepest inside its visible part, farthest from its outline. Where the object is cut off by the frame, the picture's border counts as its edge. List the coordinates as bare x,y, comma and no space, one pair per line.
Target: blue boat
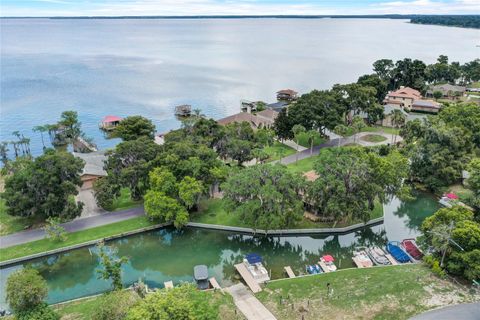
314,269
393,247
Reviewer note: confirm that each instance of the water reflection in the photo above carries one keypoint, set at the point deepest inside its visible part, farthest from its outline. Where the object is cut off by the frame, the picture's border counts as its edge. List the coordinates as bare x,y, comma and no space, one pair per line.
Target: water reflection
169,254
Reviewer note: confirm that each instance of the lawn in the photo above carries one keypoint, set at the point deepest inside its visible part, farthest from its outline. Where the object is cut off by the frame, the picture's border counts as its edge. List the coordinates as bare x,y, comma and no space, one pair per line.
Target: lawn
395,292
85,309
373,138
10,224
74,238
211,211
124,201
302,166
278,150
303,140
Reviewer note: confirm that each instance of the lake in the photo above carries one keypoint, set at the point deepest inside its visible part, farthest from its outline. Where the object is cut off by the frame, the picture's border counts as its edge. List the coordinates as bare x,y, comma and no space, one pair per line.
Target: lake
169,254
126,67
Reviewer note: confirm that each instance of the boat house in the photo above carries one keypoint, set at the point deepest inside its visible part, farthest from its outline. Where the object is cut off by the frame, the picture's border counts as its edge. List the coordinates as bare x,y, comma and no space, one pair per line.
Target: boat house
110,122
287,95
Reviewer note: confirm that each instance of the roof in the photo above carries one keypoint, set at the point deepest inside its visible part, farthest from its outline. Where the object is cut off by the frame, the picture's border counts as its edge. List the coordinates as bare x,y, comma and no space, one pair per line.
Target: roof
426,104
447,87
268,114
109,119
388,108
277,106
405,92
311,175
287,91
94,162
253,258
238,117
200,272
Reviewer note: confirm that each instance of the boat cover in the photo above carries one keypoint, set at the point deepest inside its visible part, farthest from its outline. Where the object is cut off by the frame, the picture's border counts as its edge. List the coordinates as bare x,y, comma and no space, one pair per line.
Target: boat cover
200,272
253,258
328,258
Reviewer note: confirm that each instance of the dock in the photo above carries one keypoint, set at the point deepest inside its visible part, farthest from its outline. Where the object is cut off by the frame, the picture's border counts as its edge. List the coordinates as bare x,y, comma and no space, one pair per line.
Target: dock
168,284
390,258
248,278
289,272
323,266
215,284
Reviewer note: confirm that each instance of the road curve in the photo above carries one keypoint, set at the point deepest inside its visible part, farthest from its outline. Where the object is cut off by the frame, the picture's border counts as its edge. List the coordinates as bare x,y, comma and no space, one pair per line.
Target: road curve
466,311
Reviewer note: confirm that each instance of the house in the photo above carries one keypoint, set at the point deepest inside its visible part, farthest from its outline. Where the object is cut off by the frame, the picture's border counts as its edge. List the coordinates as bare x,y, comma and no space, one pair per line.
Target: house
109,123
428,106
263,119
93,169
267,117
403,97
447,90
286,95
387,114
277,106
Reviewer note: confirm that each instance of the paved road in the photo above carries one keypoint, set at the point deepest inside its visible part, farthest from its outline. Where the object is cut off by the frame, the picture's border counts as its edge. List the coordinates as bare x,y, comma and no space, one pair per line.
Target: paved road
306,153
250,306
466,311
72,226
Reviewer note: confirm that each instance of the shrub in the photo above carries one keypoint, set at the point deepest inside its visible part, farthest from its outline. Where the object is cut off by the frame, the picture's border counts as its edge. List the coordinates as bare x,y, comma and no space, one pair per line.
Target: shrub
26,290
40,312
115,305
54,230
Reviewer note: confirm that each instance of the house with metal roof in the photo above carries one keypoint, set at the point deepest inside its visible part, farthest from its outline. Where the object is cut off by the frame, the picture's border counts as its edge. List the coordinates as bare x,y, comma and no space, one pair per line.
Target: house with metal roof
447,90
93,168
429,106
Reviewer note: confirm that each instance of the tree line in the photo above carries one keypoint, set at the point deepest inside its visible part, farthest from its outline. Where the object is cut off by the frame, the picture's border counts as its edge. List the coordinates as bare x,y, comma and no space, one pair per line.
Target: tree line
464,21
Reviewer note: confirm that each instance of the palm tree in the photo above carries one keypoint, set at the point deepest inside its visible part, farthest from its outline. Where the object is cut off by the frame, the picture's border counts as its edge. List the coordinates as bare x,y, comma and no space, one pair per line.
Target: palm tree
398,121
297,130
312,135
41,129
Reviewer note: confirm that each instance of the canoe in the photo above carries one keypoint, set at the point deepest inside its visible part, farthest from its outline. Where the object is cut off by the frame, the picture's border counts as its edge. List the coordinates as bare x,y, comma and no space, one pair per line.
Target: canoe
377,255
393,247
410,246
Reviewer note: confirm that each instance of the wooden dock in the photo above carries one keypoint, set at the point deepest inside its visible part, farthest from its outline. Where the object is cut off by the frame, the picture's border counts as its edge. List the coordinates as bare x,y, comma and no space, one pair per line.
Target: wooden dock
289,272
248,278
323,266
391,259
168,284
215,284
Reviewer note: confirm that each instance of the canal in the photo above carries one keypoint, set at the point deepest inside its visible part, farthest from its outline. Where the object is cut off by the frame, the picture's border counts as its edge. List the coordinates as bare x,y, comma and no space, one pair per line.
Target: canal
169,254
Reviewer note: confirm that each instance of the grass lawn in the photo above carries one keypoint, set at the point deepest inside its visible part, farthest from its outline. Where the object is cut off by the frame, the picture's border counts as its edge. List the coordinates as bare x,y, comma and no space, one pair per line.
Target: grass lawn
302,166
278,150
74,238
211,211
10,224
373,138
475,85
85,309
375,129
303,140
397,292
124,201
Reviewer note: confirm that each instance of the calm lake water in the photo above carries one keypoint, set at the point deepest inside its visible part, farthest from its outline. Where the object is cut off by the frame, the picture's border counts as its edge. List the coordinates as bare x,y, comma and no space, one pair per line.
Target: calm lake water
169,254
125,67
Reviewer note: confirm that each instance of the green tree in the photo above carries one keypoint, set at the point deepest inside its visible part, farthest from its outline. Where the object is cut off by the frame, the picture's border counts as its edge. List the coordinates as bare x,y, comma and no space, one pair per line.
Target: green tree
111,269
283,125
105,191
44,186
134,127
473,180
71,126
41,312
341,130
374,81
437,95
297,130
54,230
42,130
184,302
384,69
398,120
115,305
163,208
260,155
25,290
189,191
265,196
312,135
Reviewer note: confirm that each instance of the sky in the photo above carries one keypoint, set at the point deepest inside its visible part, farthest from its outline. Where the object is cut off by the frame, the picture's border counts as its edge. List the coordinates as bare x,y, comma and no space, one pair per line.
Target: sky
39,8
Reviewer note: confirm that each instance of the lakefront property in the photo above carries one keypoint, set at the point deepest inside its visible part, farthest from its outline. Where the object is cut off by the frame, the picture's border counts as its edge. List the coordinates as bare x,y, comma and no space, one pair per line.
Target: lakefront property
275,184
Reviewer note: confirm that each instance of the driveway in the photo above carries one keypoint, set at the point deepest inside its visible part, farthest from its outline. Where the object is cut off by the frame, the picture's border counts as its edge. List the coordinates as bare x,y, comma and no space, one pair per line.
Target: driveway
90,207
466,311
72,226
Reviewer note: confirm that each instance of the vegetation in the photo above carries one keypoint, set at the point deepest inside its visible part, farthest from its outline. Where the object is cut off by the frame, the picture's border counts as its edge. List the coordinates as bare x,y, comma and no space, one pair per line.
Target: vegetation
373,138
455,236
74,238
474,181
265,196
111,265
44,187
361,294
464,21
54,230
114,305
135,127
277,151
11,224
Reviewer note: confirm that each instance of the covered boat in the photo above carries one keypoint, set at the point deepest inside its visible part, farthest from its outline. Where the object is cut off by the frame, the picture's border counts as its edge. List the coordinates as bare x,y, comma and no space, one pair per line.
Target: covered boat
326,263
361,259
314,269
378,256
412,249
393,247
254,265
200,274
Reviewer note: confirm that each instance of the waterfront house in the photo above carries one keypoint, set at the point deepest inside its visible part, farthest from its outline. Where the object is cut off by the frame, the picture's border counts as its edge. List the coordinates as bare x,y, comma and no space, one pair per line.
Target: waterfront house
447,90
109,123
263,119
428,106
286,95
403,97
93,168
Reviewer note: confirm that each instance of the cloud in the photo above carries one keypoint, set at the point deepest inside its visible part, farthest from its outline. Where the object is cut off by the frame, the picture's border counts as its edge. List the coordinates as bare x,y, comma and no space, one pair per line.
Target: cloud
231,7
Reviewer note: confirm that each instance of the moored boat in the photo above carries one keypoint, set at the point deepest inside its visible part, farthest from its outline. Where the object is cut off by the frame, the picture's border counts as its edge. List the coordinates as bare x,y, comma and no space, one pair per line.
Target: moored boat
361,259
410,246
393,247
378,256
254,265
313,269
326,263
200,274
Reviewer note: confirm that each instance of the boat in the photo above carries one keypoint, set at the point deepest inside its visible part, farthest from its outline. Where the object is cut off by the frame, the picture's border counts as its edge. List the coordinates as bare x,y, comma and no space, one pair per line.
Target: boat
410,246
361,259
314,269
200,274
378,256
393,247
326,263
254,265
